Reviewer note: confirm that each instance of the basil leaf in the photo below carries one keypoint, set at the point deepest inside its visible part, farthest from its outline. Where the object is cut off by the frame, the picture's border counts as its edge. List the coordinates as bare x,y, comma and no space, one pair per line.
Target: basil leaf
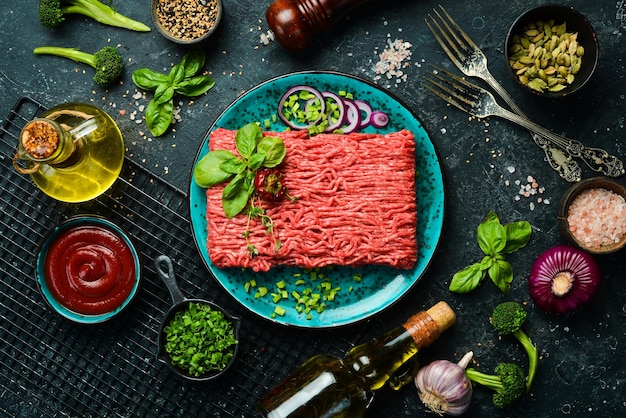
233,165
256,160
491,235
274,150
247,138
467,279
192,62
208,172
159,116
517,236
235,196
176,75
487,262
146,79
233,187
195,86
501,273
163,93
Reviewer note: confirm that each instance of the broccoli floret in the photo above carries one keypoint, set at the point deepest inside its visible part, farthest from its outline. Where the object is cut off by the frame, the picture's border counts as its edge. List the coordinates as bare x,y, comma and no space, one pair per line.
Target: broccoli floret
107,61
52,13
508,382
507,319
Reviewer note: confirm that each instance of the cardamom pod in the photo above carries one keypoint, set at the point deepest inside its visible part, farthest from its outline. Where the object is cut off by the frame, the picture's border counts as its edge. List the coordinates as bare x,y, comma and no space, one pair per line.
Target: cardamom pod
545,56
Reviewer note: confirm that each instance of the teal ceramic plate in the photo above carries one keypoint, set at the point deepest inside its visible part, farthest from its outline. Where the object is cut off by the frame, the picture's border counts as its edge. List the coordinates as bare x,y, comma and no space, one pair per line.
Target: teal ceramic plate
380,286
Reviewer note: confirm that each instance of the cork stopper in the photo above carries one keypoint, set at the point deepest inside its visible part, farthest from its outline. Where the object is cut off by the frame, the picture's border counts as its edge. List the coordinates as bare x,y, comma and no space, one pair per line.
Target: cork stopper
426,326
443,315
40,138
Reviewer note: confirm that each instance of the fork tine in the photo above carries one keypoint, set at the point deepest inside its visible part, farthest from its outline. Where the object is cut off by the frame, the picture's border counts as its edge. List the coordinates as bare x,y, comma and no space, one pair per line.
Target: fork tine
461,93
462,105
446,31
450,36
457,82
460,31
452,92
444,45
439,89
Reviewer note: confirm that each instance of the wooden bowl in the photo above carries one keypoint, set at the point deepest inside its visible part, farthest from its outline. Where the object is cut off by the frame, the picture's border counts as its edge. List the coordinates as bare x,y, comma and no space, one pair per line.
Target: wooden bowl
568,219
187,22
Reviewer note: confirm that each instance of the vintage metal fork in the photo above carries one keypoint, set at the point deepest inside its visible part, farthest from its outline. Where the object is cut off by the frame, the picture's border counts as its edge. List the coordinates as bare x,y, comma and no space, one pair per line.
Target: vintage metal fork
472,62
481,103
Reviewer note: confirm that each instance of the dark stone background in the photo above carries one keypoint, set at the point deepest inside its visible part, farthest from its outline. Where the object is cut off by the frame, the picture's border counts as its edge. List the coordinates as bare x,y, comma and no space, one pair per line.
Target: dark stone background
581,370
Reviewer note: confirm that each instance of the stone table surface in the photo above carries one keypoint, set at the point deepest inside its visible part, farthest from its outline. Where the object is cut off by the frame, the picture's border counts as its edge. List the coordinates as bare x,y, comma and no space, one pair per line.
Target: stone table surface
485,163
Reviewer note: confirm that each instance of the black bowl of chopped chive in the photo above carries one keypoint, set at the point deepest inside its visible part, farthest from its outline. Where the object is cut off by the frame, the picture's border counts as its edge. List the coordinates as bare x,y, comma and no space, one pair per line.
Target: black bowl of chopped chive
187,22
198,339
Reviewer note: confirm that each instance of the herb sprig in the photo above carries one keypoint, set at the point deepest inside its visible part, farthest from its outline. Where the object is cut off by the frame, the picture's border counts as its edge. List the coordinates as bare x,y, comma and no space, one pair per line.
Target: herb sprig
496,241
219,166
182,79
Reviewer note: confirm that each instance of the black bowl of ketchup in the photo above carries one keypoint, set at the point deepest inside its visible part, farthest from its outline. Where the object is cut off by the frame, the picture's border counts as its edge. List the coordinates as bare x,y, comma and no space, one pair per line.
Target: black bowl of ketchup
88,269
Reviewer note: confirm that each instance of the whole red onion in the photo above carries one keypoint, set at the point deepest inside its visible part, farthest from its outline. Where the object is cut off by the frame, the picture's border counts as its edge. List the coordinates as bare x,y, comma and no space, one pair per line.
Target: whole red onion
563,278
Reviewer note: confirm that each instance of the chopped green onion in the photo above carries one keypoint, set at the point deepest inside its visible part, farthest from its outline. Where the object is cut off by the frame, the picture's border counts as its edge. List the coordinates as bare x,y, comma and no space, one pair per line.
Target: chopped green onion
307,300
261,291
199,340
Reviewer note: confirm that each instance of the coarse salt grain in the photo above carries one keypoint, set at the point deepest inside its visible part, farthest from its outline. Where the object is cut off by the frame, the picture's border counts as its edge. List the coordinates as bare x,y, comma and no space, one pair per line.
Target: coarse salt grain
597,217
392,60
530,189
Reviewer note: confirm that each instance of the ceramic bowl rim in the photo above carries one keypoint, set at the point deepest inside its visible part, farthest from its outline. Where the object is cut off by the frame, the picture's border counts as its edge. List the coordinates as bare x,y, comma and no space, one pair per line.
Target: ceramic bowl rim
572,193
591,57
167,35
43,250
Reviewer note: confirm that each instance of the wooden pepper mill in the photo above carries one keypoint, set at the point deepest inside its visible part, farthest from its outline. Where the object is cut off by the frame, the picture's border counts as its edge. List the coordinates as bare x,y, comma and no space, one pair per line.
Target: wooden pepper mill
295,22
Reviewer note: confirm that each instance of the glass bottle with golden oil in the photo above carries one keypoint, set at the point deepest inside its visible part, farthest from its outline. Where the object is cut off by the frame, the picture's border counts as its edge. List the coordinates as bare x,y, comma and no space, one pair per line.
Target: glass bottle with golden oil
328,386
73,152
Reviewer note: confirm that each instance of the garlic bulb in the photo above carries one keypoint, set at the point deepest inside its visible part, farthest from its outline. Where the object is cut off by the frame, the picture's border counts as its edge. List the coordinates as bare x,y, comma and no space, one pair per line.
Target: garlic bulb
443,386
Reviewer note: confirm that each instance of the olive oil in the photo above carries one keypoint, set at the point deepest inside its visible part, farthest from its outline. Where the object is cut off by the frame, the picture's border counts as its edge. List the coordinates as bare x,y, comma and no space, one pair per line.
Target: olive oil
323,386
328,386
93,164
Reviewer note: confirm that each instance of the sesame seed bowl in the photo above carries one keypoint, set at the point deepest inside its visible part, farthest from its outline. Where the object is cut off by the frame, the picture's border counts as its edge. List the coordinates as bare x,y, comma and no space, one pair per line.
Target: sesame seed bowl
187,22
592,215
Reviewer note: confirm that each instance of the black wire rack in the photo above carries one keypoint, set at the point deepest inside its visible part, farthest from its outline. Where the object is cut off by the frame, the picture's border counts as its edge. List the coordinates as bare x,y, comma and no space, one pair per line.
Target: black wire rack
52,367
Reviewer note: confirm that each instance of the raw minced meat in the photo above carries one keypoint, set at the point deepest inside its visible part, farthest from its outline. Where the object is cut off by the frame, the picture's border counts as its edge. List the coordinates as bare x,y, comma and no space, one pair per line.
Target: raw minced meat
356,205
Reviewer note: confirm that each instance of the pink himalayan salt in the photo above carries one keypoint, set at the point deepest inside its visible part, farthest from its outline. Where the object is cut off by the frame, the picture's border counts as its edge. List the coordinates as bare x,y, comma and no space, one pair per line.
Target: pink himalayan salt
597,217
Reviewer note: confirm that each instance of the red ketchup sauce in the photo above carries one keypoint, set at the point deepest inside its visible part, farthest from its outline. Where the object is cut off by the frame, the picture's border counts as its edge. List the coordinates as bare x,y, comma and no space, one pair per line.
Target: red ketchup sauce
90,270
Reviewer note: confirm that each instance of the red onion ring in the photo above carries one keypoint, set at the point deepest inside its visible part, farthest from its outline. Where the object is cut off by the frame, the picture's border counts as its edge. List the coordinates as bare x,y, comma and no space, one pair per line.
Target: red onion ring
353,116
366,113
342,111
379,119
296,89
